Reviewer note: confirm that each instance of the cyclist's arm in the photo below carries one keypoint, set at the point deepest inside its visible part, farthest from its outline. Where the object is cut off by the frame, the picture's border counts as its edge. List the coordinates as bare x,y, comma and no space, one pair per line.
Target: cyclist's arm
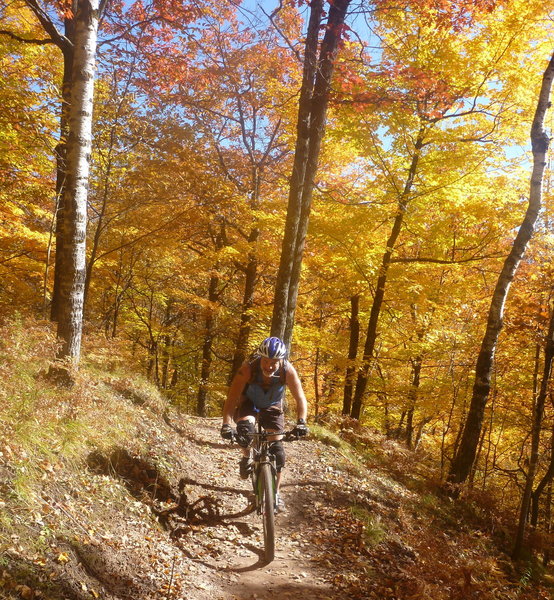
295,386
241,378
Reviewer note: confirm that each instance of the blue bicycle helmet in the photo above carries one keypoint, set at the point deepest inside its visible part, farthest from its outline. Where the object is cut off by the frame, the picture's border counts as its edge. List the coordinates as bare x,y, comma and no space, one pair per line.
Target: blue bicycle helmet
272,347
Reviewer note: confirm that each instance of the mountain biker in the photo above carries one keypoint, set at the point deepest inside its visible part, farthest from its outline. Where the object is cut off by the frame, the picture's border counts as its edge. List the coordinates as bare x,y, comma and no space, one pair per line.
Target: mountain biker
257,391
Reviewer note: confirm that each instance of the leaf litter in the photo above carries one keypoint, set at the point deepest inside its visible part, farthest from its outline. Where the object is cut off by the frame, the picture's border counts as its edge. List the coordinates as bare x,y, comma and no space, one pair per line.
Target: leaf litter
169,518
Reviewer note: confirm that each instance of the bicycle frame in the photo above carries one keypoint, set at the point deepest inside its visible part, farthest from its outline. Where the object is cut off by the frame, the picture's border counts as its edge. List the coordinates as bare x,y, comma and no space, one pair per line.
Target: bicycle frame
261,456
264,482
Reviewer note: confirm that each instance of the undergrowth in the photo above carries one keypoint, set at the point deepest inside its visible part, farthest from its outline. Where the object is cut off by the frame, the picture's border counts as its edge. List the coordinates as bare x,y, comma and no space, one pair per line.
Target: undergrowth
46,430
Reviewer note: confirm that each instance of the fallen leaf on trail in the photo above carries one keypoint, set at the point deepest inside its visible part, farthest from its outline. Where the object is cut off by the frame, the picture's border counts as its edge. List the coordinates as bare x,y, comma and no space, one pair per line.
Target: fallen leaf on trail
25,592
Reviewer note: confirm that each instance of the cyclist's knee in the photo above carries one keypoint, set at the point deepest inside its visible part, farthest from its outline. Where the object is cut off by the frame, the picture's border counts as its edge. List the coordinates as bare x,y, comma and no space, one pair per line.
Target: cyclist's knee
278,451
245,429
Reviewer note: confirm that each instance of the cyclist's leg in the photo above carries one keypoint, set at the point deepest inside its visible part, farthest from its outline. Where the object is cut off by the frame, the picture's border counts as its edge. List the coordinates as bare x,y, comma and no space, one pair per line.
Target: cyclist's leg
273,419
245,420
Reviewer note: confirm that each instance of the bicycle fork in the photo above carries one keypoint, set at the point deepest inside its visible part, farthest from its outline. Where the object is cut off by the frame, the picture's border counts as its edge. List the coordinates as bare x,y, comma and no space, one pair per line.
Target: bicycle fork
258,484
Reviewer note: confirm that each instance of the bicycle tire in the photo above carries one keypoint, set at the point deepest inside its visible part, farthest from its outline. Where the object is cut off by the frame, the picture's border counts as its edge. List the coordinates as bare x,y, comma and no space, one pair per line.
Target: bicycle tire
267,494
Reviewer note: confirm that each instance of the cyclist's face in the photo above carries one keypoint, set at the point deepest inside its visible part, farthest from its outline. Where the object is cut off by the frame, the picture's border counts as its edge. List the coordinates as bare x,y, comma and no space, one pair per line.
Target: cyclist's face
269,366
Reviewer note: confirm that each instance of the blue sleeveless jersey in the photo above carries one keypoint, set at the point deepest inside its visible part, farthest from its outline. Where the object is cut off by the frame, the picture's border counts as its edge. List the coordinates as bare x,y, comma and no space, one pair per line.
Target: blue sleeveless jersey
260,395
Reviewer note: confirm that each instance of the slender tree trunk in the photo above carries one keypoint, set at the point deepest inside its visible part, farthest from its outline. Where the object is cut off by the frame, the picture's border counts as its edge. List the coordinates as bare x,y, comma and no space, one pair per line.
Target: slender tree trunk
205,369
419,432
489,445
388,426
152,367
536,428
371,335
312,115
412,400
165,360
61,154
115,314
544,482
284,274
465,457
316,385
250,276
47,263
167,344
241,348
174,378
477,456
75,199
548,523
352,353
318,120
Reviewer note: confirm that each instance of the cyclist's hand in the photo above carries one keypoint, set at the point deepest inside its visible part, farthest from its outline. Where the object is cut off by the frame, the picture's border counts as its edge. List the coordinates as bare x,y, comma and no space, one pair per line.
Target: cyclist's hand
300,429
227,432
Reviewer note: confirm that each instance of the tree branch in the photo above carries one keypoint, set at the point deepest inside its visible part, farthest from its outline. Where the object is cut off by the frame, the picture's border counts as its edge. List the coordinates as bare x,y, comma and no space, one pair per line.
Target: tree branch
57,38
443,262
14,36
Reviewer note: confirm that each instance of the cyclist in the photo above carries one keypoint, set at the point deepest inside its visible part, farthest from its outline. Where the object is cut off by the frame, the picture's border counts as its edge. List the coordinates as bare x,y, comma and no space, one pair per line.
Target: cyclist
257,391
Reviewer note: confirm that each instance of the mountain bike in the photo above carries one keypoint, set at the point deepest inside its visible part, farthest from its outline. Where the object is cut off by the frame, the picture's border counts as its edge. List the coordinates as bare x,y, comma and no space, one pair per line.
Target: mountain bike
264,482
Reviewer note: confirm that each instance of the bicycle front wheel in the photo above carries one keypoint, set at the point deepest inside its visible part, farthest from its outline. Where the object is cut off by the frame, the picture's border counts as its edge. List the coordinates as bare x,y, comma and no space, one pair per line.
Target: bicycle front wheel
267,493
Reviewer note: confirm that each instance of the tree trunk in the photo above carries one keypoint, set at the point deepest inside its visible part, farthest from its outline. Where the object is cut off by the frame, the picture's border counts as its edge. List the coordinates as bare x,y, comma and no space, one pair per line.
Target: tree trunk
548,522
371,335
251,273
205,369
241,348
477,456
61,166
412,401
312,115
544,482
465,456
284,273
419,432
75,198
490,445
352,353
536,427
47,262
66,44
316,385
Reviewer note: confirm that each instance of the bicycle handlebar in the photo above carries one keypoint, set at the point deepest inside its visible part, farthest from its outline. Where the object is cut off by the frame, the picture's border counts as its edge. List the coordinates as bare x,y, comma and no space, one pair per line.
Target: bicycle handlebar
288,436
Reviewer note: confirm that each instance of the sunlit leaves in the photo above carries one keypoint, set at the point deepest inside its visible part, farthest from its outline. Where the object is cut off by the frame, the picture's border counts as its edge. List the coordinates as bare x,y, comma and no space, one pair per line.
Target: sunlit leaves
28,75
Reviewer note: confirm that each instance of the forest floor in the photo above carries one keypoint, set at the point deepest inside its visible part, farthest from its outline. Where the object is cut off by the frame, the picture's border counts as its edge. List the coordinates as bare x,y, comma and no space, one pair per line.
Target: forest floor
167,517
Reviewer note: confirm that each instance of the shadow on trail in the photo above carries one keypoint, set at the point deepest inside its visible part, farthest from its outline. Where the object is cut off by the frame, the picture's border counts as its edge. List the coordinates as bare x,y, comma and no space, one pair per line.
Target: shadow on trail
260,561
264,590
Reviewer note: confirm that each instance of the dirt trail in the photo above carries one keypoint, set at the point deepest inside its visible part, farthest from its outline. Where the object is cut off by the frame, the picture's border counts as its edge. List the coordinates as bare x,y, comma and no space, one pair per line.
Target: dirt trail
235,555
170,519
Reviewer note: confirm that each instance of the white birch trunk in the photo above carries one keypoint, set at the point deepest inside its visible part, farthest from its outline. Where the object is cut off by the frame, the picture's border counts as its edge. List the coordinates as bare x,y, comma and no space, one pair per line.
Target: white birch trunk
70,323
465,457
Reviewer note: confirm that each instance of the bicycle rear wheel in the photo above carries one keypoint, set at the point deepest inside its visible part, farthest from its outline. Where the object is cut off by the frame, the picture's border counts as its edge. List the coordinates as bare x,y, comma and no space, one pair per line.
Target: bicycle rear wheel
267,494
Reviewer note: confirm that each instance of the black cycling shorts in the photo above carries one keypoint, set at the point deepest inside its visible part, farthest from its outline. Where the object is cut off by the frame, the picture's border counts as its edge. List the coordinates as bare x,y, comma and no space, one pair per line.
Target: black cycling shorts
269,418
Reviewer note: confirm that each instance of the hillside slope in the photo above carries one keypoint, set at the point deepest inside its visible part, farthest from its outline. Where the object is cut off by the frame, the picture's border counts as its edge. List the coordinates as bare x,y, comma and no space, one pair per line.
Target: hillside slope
108,492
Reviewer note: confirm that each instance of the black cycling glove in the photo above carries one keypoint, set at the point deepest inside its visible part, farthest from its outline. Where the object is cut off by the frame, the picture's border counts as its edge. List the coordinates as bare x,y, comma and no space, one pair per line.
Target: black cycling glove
300,429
